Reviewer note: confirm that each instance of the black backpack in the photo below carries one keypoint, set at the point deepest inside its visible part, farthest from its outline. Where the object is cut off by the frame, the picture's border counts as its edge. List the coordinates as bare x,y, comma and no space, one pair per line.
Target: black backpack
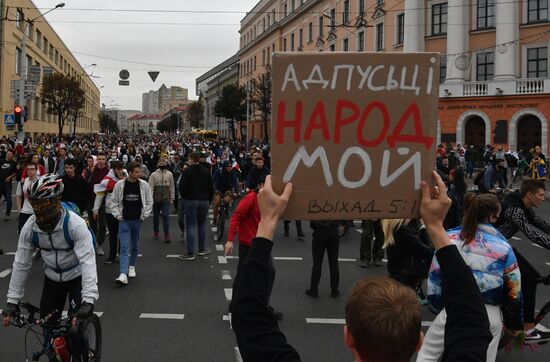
479,177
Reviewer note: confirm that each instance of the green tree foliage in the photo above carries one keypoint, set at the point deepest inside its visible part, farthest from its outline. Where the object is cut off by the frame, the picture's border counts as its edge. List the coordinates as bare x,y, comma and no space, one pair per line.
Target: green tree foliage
63,96
107,124
232,106
260,95
195,114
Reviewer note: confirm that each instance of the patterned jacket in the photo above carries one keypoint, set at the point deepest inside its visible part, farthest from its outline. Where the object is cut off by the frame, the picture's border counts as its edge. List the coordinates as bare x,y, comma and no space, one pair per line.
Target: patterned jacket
495,269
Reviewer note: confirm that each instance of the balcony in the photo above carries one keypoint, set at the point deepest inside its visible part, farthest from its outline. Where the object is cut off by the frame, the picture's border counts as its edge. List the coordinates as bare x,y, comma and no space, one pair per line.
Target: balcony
495,88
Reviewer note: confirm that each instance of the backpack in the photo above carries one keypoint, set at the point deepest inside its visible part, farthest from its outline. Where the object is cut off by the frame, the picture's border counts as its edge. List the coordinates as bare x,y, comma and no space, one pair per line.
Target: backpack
69,208
479,177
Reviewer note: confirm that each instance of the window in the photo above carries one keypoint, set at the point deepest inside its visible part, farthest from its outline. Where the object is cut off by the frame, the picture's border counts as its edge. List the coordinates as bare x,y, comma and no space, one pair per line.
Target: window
485,14
309,32
46,45
332,47
537,62
361,41
379,37
400,28
254,62
332,18
30,30
38,38
285,9
284,45
537,10
345,45
51,52
273,48
485,66
292,42
273,16
268,55
379,3
263,57
361,7
18,61
320,26
19,18
268,20
439,19
292,5
301,38
443,71
345,15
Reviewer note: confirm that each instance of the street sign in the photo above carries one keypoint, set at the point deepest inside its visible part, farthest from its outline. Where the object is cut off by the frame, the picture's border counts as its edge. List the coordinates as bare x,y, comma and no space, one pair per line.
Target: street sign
9,119
124,74
154,75
124,82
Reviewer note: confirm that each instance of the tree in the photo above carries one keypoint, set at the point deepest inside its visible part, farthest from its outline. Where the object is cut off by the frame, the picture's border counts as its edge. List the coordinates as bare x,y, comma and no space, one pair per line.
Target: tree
63,96
195,114
231,105
169,124
107,124
261,96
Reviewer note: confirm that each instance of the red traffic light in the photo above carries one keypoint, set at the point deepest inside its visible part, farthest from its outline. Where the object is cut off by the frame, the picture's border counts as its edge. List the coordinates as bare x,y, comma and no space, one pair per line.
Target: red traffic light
18,109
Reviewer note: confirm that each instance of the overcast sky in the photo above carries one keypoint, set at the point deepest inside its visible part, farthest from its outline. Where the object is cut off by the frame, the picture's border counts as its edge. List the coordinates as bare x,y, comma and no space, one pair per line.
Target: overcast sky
198,47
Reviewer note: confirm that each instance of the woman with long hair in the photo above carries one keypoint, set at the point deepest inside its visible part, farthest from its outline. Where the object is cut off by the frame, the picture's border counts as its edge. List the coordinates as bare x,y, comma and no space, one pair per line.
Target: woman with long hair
409,251
495,269
456,191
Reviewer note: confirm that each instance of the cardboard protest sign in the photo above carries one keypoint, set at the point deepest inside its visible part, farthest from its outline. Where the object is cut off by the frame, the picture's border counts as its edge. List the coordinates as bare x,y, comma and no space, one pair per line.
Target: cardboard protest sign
355,133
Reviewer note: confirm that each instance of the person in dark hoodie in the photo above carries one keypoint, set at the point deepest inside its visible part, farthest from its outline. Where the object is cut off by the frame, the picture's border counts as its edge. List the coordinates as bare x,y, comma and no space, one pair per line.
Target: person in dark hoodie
517,215
74,186
325,237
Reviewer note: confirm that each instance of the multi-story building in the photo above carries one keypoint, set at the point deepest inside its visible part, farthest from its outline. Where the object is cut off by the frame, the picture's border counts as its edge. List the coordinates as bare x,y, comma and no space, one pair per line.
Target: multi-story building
150,102
209,87
494,65
172,97
143,123
45,52
120,116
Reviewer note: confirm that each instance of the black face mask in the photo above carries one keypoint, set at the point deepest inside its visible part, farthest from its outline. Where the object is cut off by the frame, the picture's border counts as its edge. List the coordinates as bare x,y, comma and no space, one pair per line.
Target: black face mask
162,167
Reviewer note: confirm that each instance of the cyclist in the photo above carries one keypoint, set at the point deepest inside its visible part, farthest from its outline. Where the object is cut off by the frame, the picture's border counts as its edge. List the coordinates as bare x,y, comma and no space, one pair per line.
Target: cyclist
69,265
518,215
226,185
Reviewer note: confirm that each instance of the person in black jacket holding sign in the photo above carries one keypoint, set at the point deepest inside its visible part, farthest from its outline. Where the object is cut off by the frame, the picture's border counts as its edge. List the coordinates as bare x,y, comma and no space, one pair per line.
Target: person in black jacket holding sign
466,339
325,237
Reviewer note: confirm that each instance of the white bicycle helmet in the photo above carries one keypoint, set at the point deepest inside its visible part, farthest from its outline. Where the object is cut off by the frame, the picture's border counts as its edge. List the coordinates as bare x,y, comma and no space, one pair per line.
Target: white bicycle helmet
46,187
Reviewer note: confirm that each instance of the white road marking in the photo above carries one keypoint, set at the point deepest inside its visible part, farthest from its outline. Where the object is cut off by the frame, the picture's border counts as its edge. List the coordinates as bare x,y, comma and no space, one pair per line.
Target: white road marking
516,238
384,260
297,258
228,292
537,245
5,273
360,231
214,229
140,255
215,237
219,247
238,357
344,259
172,256
325,321
226,317
222,259
357,222
161,316
211,217
226,275
232,257
10,253
548,264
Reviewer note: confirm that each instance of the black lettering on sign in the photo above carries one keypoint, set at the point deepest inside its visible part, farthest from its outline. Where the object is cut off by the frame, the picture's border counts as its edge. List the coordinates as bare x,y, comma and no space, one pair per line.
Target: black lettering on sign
313,207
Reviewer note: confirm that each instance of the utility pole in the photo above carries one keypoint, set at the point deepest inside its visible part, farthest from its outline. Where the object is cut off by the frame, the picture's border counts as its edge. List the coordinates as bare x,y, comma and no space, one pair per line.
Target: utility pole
247,90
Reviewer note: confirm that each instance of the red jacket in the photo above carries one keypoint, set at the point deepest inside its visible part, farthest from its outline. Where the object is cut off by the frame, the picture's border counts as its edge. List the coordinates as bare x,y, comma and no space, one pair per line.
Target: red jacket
245,220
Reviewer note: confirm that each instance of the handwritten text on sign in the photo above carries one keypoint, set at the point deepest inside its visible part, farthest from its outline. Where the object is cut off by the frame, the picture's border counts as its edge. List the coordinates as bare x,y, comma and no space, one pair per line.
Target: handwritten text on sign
353,132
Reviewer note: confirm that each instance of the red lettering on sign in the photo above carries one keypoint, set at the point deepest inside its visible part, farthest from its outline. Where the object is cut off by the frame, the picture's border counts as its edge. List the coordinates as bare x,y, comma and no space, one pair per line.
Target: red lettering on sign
365,116
341,105
282,123
417,137
318,114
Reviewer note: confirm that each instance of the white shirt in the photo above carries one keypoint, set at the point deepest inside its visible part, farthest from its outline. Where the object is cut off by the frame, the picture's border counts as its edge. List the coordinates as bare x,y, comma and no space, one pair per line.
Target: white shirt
26,208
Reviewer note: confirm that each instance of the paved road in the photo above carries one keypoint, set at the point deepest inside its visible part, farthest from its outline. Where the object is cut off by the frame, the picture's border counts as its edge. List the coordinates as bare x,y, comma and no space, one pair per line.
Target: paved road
175,310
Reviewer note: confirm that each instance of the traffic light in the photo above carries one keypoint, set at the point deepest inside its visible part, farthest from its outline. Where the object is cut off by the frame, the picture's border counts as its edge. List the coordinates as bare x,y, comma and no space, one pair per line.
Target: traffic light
18,112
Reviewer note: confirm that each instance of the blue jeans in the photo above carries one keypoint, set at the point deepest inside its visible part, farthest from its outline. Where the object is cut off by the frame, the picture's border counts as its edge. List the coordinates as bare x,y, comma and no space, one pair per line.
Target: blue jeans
196,212
163,207
128,233
6,192
181,215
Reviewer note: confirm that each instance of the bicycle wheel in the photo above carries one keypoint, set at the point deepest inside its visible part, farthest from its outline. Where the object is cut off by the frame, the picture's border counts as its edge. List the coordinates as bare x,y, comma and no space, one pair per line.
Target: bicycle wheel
221,222
91,328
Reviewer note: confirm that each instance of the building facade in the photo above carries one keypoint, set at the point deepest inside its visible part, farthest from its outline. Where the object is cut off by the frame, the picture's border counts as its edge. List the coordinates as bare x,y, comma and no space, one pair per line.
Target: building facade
45,53
494,55
172,97
143,123
150,102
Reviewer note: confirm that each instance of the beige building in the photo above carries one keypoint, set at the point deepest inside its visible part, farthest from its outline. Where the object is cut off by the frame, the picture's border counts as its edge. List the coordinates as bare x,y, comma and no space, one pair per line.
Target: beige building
171,98
45,52
495,86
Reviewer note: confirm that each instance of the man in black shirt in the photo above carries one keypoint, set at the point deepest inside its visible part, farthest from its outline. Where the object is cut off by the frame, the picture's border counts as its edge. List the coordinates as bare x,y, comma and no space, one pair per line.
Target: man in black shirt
131,203
75,187
8,170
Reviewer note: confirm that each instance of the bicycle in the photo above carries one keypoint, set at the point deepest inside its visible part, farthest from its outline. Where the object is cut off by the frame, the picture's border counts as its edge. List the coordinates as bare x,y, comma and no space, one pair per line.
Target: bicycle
59,330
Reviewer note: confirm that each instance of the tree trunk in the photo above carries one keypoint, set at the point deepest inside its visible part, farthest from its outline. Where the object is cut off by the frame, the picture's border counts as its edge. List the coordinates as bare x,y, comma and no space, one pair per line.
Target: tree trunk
60,124
232,125
266,134
242,132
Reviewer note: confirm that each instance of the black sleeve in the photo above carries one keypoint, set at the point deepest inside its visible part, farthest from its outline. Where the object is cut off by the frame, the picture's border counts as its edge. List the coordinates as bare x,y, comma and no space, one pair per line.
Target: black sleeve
210,189
467,333
183,184
412,242
517,217
258,335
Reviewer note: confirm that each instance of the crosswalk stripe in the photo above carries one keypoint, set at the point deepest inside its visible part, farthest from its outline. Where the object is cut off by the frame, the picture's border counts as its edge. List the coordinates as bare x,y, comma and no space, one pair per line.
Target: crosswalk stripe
548,264
172,256
325,321
537,245
226,275
214,229
5,273
344,259
297,258
222,259
161,316
232,257
360,231
12,253
65,313
228,292
238,357
516,238
219,247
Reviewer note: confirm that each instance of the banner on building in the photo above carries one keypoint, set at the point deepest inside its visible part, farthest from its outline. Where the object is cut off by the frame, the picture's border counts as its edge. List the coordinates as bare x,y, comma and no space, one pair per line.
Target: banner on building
355,133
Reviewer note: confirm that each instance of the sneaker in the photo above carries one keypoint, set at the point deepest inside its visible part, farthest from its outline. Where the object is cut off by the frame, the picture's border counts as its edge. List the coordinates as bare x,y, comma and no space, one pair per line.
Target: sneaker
286,233
132,272
122,279
312,293
109,260
275,313
377,263
536,337
301,235
155,236
364,264
99,251
187,257
204,252
7,218
167,239
541,328
335,293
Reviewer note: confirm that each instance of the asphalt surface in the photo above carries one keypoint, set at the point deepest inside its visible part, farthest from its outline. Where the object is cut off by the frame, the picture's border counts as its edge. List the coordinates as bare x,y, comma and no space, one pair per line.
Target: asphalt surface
177,310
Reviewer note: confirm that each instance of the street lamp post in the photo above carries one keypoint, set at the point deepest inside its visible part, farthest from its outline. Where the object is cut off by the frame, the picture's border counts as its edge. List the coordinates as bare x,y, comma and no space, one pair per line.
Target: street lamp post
24,66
